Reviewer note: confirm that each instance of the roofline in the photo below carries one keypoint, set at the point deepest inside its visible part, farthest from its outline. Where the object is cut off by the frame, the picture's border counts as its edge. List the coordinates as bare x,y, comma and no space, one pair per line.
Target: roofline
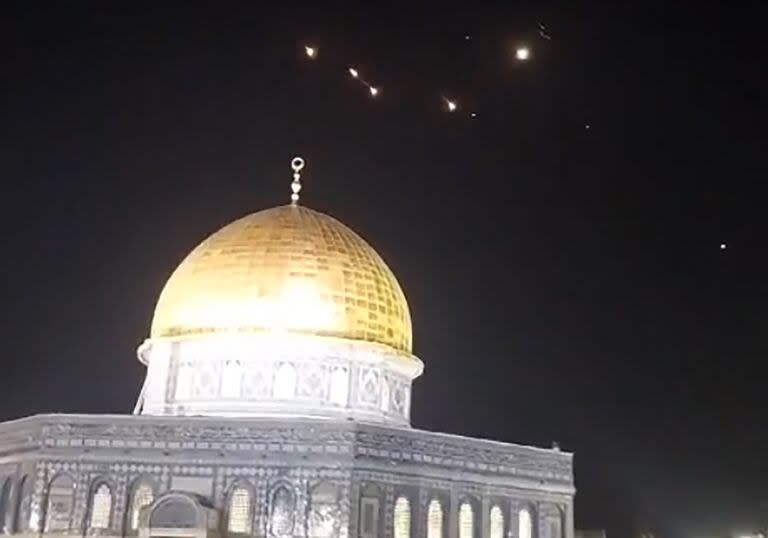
91,417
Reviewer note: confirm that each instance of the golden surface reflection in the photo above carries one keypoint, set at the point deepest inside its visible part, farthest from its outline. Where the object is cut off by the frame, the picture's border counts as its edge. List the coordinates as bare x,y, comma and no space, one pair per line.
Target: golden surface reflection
285,269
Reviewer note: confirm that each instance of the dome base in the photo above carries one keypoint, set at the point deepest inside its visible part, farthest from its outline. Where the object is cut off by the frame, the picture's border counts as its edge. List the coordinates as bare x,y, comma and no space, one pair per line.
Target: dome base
277,375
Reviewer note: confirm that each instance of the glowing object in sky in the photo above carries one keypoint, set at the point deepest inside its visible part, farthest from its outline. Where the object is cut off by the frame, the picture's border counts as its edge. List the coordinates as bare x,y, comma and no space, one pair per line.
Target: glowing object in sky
522,53
452,106
723,246
311,51
374,91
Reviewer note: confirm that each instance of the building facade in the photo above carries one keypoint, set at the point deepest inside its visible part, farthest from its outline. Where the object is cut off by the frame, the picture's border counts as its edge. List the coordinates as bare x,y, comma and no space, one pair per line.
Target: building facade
277,404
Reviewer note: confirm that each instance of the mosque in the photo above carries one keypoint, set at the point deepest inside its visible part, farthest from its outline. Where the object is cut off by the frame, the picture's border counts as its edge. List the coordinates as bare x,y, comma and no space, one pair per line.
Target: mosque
276,404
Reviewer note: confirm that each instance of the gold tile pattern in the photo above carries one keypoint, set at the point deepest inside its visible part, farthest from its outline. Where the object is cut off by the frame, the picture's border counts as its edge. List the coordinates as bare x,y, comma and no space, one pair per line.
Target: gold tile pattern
288,269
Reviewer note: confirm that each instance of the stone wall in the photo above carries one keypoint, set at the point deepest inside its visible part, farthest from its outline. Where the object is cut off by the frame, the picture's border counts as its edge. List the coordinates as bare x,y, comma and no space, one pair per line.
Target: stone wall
321,472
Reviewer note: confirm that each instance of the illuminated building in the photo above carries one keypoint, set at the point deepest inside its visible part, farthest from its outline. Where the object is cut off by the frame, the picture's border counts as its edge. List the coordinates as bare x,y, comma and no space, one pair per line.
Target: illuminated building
277,403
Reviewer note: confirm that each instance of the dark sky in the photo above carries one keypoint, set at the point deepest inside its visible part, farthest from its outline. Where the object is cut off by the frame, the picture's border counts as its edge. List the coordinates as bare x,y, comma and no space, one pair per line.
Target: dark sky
565,284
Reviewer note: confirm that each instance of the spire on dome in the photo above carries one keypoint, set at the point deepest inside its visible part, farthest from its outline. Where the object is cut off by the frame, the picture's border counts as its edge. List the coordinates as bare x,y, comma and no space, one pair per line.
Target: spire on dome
297,164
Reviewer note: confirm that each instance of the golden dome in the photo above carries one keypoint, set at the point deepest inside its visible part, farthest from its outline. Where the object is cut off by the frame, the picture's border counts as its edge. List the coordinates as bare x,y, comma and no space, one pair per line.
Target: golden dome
291,269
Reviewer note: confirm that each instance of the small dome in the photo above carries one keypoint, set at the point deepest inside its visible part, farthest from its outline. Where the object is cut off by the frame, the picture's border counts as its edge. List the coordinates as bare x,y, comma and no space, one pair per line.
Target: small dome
285,269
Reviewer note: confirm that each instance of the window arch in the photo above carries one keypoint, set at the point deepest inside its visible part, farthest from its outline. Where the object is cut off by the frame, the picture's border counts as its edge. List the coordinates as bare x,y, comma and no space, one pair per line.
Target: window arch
285,381
496,523
184,376
100,510
282,511
402,518
323,520
143,495
340,386
61,496
556,524
231,379
434,519
385,394
368,526
5,502
176,511
239,510
466,521
525,524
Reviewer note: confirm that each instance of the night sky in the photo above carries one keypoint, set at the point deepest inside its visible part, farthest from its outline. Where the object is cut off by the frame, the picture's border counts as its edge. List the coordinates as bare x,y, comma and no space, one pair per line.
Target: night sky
566,284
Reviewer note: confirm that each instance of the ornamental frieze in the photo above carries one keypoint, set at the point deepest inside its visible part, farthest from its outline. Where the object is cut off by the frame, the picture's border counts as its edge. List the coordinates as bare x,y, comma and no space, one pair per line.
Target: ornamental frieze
243,438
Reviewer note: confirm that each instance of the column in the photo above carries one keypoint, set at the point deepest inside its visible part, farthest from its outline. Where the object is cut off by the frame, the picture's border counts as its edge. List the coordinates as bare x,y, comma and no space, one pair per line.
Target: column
453,515
485,514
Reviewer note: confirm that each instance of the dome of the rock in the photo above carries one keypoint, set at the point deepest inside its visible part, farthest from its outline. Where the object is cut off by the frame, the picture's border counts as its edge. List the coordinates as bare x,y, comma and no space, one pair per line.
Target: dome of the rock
288,269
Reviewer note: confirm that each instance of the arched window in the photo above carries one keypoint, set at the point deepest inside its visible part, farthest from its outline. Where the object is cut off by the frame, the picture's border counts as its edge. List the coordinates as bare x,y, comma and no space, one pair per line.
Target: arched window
231,379
184,381
239,510
285,381
283,512
143,495
100,507
61,497
434,519
339,386
174,512
385,394
368,526
402,522
21,511
525,524
556,525
5,500
497,523
324,516
466,521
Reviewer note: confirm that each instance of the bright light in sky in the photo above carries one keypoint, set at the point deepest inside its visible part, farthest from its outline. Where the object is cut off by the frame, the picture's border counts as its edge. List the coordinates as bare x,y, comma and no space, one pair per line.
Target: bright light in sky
451,105
522,53
374,91
311,51
353,72
723,246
